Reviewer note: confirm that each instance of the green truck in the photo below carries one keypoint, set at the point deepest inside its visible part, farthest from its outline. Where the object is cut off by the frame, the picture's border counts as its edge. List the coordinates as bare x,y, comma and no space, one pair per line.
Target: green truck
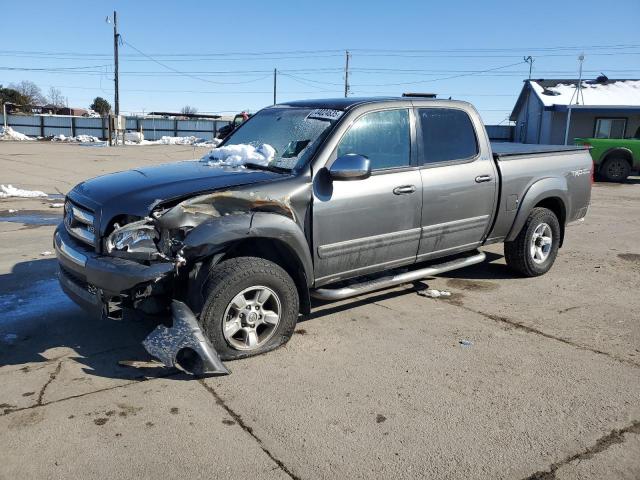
614,158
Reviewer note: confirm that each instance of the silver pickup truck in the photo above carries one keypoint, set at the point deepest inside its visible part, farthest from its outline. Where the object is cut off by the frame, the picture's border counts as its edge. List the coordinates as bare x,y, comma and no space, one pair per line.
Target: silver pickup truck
305,195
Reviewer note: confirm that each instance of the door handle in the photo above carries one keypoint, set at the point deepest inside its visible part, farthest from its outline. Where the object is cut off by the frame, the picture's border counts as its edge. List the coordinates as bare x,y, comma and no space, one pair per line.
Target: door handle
404,189
483,178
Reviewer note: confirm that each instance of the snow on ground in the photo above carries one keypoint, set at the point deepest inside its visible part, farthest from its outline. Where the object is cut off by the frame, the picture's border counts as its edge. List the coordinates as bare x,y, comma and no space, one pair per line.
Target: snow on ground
625,92
238,155
7,191
137,138
8,133
76,139
130,138
23,308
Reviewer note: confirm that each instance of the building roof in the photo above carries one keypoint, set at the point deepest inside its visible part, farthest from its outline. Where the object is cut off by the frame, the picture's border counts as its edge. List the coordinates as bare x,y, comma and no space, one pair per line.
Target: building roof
602,92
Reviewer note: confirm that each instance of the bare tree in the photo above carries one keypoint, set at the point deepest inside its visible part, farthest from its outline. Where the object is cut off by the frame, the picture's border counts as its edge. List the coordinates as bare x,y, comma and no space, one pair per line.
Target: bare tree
188,110
30,91
55,97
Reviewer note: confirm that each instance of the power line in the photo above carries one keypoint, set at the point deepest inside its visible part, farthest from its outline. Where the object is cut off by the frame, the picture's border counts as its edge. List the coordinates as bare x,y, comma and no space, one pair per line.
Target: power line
338,52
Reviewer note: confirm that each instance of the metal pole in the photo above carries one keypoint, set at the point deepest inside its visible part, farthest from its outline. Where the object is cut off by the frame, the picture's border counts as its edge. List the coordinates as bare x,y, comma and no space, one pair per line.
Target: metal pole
577,94
115,62
346,73
275,84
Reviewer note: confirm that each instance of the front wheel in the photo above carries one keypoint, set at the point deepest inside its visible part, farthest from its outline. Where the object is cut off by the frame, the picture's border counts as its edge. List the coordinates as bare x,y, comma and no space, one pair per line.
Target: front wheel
615,169
251,307
534,250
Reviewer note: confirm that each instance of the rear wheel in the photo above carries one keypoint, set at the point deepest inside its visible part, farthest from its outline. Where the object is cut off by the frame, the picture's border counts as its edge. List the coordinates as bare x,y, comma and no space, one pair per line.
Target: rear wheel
615,169
251,307
534,250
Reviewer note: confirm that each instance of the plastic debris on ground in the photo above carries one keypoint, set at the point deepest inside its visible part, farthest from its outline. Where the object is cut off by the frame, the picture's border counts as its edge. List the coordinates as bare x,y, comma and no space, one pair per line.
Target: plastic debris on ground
12,210
56,205
431,293
7,191
238,155
466,343
8,133
46,253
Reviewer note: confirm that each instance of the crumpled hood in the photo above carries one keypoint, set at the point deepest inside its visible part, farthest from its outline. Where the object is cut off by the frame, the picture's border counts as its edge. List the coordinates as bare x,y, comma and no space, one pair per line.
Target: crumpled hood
136,192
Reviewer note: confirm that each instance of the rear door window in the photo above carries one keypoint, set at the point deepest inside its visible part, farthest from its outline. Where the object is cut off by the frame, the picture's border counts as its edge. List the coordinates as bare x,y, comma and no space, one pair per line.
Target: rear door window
383,137
446,135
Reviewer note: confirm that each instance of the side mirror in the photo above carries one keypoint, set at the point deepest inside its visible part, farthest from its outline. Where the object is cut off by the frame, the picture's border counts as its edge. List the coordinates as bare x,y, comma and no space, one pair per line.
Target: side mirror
350,167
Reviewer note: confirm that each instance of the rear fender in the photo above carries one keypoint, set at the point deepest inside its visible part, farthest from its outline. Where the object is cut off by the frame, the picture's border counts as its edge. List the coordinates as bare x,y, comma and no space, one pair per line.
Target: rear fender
537,192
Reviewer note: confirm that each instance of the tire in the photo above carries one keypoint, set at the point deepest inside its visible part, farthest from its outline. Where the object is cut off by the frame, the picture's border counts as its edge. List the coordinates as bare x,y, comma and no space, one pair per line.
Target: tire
615,169
246,277
528,253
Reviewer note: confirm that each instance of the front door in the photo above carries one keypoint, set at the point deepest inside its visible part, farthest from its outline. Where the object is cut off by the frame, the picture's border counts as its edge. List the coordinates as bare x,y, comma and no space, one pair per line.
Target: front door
373,224
459,182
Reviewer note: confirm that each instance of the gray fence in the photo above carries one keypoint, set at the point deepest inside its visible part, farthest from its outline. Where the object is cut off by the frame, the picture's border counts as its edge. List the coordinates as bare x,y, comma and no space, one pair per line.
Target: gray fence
153,128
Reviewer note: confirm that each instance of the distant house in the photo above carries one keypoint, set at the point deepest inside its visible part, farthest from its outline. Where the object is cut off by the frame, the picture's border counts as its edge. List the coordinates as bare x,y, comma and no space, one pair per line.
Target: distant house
604,108
53,110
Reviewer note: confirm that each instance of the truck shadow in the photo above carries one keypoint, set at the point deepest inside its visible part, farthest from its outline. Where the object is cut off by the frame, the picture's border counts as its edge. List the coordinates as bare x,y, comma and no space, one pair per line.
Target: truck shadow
40,324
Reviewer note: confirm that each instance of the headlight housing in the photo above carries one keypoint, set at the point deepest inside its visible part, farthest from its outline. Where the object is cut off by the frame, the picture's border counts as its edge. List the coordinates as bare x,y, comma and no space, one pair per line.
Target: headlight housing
134,240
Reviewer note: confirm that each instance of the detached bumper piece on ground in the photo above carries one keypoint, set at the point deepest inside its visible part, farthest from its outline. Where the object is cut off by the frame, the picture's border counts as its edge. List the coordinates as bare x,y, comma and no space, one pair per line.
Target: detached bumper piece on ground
184,344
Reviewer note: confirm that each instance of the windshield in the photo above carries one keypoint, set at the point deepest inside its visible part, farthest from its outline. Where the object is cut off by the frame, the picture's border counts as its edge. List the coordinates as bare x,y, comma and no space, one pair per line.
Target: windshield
293,133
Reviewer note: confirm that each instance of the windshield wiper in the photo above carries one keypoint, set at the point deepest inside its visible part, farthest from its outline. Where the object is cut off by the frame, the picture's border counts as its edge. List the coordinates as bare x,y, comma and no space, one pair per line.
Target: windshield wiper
270,168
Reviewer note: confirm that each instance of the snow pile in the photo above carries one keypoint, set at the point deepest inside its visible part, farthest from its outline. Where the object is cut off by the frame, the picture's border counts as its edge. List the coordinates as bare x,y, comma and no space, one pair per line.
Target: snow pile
238,155
206,143
178,140
8,133
134,137
7,191
76,139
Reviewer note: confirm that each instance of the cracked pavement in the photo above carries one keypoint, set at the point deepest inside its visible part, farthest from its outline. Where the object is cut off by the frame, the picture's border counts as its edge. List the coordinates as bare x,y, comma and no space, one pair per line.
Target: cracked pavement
374,387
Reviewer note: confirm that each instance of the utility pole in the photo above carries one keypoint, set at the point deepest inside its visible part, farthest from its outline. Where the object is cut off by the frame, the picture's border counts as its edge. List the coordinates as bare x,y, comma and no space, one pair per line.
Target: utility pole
275,84
577,94
116,38
346,73
523,138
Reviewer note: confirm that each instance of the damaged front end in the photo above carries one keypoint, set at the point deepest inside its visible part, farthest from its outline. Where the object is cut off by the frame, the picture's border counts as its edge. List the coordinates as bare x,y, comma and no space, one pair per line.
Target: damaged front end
186,235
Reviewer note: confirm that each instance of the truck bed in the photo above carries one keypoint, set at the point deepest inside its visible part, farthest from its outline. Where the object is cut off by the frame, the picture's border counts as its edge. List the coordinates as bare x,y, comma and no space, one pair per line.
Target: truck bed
504,149
520,166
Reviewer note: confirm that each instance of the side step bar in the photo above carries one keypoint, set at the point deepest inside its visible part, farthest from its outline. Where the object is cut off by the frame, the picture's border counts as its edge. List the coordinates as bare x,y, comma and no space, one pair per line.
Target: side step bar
390,281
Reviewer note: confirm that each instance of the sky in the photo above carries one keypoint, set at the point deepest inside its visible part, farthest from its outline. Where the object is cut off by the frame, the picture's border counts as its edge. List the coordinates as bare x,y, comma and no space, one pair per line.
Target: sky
219,57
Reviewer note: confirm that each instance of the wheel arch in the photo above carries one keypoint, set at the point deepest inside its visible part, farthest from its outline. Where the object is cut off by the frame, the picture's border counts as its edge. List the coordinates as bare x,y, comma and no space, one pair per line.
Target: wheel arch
616,152
278,252
551,193
270,236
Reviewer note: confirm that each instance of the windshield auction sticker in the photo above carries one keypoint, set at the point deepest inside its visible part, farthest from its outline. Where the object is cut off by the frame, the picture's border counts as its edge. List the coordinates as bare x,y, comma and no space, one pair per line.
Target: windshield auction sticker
325,114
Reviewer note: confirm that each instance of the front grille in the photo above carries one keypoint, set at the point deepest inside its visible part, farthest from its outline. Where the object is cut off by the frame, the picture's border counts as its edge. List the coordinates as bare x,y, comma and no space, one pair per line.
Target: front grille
79,222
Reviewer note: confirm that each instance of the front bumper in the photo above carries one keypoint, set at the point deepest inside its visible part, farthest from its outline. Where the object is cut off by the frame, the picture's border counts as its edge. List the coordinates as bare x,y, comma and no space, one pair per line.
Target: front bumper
91,279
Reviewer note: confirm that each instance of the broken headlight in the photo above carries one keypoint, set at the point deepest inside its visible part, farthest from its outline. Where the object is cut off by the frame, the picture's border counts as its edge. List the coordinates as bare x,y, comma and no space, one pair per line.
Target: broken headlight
135,240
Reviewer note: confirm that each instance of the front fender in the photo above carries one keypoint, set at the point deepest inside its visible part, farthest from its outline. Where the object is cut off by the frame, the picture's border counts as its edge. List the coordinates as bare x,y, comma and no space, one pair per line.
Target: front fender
552,187
219,232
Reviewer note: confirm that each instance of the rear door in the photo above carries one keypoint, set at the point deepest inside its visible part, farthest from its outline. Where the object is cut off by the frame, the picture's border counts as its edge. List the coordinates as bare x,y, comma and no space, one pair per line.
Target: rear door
373,224
459,182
